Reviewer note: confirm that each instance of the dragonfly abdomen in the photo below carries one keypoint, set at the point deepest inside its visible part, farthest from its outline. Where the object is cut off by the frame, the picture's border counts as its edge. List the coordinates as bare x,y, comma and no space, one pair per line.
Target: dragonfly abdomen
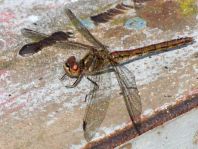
163,46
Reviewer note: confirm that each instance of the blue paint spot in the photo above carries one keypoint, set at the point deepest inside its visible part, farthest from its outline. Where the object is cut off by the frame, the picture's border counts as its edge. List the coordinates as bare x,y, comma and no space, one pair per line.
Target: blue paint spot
88,23
135,23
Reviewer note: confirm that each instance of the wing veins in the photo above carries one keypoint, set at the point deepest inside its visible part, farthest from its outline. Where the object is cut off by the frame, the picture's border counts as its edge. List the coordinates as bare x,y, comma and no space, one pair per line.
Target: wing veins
82,29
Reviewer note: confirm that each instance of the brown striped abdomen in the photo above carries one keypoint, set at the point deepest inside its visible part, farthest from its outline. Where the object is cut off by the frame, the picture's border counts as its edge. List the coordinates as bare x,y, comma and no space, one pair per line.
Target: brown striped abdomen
163,46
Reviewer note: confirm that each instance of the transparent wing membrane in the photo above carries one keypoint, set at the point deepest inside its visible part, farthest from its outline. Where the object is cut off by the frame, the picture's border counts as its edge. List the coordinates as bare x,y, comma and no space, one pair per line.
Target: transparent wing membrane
34,35
73,45
82,29
129,90
98,101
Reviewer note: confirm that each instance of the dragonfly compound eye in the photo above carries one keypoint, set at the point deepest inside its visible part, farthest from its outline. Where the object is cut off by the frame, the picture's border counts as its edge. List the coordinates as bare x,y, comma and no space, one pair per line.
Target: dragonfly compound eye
71,63
67,65
75,67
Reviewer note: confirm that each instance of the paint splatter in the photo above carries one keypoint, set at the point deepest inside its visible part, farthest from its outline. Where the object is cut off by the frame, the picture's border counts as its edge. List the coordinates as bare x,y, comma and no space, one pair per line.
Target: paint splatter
6,16
167,15
188,7
135,23
88,23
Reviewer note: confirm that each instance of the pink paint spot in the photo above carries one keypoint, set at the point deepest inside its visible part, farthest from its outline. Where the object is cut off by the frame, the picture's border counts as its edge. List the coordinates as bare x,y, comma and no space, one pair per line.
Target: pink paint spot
6,16
3,71
15,109
192,93
6,101
12,99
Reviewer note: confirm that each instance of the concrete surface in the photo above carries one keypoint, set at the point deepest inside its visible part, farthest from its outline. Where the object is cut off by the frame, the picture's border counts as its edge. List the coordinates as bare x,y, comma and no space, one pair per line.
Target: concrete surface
38,112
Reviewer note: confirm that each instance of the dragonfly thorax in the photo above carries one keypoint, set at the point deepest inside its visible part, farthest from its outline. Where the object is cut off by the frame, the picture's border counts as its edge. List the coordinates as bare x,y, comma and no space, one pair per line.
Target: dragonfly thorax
71,67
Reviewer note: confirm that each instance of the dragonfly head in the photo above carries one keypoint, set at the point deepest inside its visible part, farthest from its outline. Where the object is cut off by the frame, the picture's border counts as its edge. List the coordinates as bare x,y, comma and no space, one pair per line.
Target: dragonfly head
72,68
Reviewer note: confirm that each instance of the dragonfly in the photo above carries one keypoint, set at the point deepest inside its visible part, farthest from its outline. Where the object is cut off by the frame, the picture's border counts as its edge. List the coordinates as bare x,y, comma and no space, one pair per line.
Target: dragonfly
97,66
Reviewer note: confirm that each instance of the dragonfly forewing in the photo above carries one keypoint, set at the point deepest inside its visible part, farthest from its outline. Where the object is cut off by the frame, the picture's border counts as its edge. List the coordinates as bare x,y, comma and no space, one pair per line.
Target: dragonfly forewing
82,29
73,45
34,35
98,101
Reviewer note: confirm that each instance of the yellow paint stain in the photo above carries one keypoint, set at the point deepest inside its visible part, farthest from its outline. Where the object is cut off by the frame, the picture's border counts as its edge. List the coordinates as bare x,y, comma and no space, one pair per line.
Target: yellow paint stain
118,21
188,7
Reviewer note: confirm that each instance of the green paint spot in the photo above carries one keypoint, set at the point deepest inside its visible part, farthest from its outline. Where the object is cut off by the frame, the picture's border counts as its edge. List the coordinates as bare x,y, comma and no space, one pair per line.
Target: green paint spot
188,7
118,21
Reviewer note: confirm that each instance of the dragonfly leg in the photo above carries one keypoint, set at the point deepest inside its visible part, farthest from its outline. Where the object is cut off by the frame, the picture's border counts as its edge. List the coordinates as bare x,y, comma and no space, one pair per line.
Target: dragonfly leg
63,77
96,87
75,83
95,84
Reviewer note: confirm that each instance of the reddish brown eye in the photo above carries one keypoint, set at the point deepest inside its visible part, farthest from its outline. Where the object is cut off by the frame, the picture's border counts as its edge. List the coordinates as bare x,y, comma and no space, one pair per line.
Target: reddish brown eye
75,67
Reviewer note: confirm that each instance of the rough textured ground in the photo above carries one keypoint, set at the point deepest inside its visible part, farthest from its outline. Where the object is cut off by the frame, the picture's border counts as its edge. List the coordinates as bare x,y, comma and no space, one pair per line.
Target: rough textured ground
38,112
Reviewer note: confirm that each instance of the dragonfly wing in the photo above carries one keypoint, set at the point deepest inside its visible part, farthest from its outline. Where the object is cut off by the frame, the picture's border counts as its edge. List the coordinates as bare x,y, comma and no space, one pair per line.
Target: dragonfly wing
34,35
82,29
128,86
73,45
98,101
